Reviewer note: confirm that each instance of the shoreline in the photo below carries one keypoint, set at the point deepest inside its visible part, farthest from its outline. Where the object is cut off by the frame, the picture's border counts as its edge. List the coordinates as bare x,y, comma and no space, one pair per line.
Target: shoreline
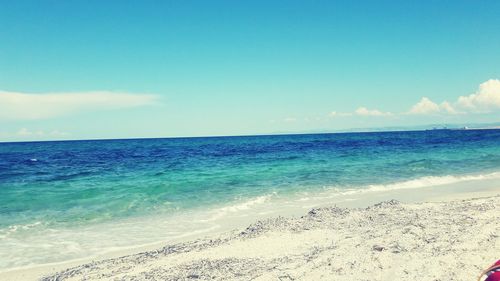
457,192
389,240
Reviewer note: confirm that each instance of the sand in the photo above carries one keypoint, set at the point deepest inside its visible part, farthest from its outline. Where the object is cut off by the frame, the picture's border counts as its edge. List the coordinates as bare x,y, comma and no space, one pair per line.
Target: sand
452,240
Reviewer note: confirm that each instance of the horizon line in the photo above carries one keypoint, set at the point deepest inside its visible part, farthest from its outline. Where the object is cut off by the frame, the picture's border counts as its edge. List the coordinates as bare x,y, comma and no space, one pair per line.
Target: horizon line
346,131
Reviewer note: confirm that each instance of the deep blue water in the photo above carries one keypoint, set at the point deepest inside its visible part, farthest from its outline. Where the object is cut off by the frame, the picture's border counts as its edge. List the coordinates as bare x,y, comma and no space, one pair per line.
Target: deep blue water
53,187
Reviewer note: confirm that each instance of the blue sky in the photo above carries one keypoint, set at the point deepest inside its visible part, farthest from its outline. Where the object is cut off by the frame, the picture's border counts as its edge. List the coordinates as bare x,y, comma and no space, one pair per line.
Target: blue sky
121,69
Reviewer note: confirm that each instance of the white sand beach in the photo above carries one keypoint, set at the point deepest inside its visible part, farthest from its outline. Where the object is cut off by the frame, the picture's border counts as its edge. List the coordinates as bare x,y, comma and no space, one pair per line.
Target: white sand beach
448,240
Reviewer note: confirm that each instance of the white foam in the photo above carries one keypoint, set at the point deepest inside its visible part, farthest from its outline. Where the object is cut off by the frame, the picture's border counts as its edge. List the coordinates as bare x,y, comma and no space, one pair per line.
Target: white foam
420,183
238,208
18,227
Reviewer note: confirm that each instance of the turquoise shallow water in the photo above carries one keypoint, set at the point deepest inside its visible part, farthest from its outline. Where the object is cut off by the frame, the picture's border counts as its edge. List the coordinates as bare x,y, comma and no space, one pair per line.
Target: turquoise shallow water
67,200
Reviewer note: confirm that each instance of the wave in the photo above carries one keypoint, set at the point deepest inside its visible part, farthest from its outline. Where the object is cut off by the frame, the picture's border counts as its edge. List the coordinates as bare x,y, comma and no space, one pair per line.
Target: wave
309,196
422,182
11,229
234,208
273,201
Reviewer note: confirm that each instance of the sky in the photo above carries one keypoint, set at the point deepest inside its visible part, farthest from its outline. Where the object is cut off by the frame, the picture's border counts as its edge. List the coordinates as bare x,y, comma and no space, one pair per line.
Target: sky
129,69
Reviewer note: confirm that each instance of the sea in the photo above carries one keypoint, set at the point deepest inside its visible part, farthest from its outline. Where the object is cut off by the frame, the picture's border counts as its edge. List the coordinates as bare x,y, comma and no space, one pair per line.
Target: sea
71,200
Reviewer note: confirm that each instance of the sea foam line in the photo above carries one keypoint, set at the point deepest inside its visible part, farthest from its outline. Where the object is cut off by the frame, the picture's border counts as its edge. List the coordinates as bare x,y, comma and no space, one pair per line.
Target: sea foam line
421,182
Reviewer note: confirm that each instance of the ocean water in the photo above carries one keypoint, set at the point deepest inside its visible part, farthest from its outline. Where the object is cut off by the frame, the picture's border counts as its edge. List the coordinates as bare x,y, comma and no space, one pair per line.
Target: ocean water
68,200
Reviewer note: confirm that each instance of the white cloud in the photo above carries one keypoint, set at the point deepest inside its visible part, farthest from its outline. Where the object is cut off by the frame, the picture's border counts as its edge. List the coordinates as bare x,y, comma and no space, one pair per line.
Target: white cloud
486,99
25,106
447,108
290,119
363,111
425,106
339,114
23,132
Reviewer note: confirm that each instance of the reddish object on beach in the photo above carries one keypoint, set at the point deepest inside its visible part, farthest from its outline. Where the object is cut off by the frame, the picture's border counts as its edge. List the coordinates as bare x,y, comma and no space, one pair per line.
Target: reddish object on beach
494,275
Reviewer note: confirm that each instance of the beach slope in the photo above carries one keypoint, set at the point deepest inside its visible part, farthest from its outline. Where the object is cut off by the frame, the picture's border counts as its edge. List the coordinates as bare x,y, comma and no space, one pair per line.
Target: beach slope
451,240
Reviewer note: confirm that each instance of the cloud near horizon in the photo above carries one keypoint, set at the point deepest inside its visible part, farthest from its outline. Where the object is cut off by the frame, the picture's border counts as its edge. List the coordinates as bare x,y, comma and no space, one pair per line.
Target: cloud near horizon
339,114
487,97
426,106
28,106
485,100
363,111
27,133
